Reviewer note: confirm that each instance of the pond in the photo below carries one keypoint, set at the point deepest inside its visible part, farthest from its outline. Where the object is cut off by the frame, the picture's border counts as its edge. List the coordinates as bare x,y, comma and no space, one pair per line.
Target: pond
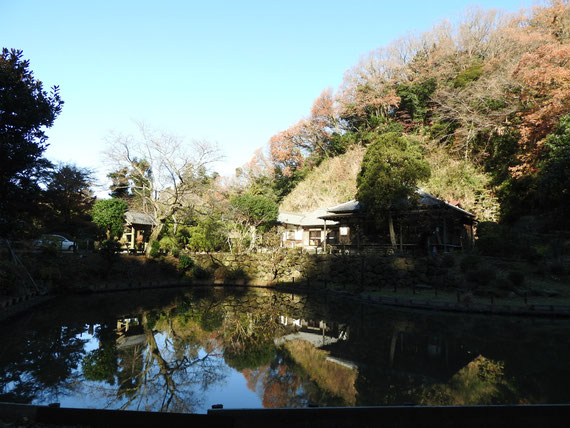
186,350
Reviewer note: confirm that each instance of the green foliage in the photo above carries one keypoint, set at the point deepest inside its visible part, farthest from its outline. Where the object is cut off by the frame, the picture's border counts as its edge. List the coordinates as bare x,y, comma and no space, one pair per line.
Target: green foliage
498,240
494,240
26,110
554,176
256,210
168,244
206,235
252,357
183,236
151,319
185,263
109,214
391,169
68,199
283,184
414,98
518,196
155,249
503,152
109,247
212,319
457,179
482,381
468,75
198,272
101,364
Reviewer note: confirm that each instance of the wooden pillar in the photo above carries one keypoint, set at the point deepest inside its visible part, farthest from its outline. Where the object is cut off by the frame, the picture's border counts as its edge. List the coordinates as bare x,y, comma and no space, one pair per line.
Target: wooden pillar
133,232
325,237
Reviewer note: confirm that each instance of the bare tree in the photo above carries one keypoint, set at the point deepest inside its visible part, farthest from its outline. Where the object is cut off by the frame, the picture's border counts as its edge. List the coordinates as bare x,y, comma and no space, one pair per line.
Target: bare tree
165,171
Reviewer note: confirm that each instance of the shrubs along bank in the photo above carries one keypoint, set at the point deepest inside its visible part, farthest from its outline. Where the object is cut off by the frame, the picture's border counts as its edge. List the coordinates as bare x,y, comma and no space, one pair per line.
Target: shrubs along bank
468,273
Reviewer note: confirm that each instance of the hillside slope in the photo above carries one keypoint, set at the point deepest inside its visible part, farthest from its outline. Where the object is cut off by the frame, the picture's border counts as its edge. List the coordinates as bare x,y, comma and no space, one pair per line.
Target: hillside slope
331,183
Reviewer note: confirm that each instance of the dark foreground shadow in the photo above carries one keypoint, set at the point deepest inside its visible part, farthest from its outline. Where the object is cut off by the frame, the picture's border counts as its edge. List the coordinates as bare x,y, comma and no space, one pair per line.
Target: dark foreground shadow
398,416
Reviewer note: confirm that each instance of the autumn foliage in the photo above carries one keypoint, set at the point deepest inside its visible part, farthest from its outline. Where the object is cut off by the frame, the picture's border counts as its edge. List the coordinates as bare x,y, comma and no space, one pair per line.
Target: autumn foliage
484,92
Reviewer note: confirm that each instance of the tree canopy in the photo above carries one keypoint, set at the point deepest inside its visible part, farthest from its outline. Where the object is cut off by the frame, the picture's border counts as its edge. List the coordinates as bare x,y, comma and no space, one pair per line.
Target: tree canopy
26,110
391,169
109,214
163,171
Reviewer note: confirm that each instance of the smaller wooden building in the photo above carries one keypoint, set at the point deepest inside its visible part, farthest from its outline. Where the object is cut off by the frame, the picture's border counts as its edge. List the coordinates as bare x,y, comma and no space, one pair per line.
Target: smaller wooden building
307,230
138,227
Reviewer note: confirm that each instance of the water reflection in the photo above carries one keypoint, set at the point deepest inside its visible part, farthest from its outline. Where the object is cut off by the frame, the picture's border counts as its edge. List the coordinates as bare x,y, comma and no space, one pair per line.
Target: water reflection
184,351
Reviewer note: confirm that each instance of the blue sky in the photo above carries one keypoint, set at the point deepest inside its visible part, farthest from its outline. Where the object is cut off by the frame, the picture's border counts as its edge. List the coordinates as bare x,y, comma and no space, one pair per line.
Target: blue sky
234,73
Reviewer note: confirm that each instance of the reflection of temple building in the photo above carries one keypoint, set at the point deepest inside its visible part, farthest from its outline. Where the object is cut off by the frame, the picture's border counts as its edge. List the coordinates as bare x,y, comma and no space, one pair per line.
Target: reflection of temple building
318,333
130,332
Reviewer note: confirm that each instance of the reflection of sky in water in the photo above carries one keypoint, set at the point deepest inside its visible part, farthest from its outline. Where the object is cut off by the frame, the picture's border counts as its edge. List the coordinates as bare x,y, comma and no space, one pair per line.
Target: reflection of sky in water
232,392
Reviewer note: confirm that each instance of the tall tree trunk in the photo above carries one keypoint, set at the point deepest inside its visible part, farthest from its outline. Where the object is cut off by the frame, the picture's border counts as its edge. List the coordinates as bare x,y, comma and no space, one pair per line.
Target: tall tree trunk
154,236
252,243
175,225
391,229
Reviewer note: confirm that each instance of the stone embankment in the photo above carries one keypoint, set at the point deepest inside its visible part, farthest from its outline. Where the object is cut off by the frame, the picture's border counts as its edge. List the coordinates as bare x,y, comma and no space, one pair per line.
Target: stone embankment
343,276
11,306
294,266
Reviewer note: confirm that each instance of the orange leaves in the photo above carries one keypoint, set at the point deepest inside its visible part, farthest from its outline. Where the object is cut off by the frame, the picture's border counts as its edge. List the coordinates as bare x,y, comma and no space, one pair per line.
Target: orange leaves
545,75
286,151
290,149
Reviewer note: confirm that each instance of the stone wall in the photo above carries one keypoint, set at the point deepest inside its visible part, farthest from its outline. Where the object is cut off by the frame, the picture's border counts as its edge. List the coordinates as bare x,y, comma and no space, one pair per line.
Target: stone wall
347,270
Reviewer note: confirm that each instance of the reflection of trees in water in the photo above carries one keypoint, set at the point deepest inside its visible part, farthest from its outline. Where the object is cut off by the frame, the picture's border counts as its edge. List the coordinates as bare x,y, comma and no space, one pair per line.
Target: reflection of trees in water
40,366
482,381
160,374
276,383
181,355
176,355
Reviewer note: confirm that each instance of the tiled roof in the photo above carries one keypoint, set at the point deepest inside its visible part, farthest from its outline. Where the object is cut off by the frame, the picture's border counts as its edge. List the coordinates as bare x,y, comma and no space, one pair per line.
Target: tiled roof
304,219
349,206
426,200
132,217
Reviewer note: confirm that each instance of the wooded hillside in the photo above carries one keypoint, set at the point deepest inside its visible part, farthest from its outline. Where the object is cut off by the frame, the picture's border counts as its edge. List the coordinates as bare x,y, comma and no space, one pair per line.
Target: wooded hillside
485,98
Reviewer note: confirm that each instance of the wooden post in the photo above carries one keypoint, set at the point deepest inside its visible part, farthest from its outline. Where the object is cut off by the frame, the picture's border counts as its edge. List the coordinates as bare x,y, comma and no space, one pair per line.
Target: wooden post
325,244
391,230
133,232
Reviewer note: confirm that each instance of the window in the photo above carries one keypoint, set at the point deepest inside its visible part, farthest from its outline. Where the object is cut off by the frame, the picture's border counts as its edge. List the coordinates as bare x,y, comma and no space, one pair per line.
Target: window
315,237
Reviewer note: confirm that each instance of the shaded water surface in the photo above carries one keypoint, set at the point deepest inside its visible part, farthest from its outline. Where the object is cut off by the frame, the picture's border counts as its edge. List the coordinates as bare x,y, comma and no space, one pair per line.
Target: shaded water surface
187,350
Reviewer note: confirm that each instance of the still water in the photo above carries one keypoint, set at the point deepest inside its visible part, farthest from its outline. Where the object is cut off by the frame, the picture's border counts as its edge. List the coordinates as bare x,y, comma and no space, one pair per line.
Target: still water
186,350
